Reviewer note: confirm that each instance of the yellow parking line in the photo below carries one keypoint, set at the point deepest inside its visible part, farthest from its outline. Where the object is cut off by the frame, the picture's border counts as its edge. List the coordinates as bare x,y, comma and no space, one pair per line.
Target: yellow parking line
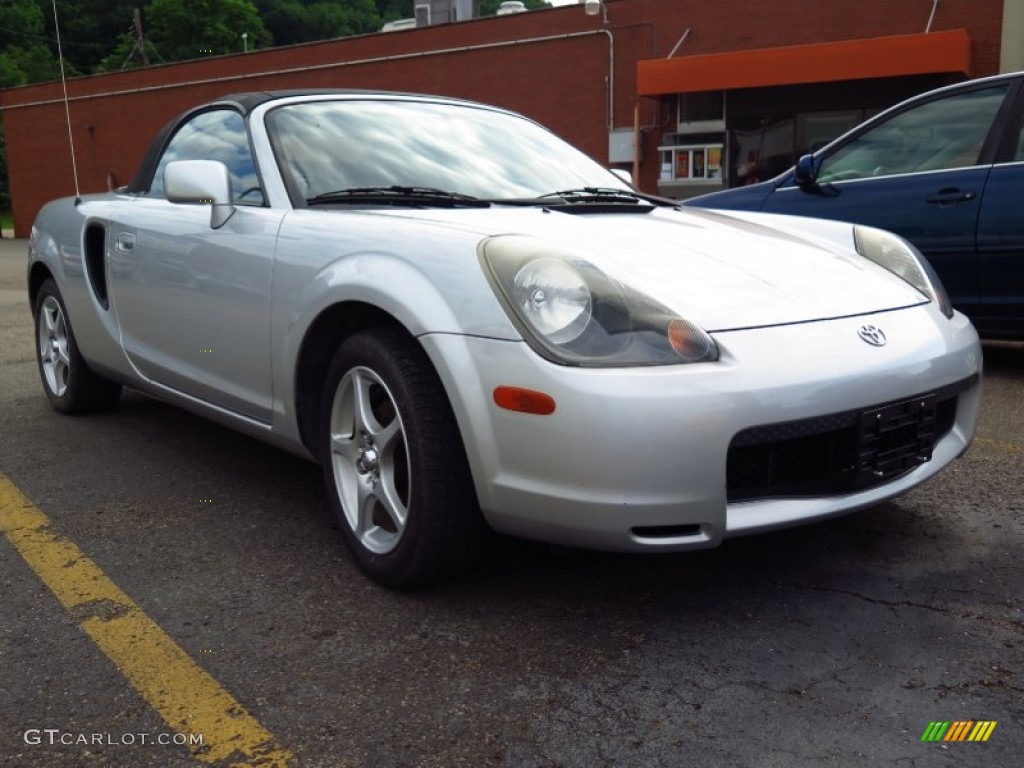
186,697
1003,445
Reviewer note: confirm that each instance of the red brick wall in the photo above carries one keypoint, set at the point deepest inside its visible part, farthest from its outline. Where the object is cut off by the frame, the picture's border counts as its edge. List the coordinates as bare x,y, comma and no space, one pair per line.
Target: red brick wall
560,81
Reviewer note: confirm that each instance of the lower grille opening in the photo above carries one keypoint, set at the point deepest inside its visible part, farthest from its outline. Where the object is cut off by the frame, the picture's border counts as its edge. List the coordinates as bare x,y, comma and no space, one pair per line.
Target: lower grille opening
665,531
840,453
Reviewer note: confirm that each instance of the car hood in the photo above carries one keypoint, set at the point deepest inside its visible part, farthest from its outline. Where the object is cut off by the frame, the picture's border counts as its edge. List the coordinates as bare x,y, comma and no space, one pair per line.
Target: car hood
720,271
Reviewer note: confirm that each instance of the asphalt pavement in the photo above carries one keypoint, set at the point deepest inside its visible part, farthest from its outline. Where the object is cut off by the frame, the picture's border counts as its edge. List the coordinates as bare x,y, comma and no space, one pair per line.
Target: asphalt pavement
830,645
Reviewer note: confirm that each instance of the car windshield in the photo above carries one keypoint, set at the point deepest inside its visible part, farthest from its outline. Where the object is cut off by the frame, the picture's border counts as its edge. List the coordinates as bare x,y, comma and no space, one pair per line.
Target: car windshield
330,146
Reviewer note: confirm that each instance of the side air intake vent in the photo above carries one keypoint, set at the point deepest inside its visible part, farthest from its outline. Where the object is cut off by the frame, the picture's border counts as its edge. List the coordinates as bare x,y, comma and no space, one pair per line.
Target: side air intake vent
96,263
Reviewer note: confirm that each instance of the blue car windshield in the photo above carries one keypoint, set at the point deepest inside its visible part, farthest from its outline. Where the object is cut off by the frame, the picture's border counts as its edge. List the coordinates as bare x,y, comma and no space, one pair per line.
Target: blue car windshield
327,146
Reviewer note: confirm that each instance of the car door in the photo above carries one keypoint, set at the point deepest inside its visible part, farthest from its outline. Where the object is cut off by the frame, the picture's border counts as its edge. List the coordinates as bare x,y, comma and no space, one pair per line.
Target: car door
1001,236
920,172
193,301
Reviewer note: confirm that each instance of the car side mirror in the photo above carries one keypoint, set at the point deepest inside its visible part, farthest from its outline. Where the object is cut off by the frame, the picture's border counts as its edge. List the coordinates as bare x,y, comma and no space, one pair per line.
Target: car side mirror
805,172
201,181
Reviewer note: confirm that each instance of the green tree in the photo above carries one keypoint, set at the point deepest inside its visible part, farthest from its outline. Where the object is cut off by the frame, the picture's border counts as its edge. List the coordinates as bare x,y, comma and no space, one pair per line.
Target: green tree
24,54
31,63
327,20
191,29
89,29
284,19
390,10
126,54
177,30
295,21
21,21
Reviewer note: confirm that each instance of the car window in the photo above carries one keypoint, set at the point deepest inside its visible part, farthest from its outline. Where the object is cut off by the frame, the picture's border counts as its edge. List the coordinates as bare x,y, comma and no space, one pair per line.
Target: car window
946,133
325,146
1020,145
216,135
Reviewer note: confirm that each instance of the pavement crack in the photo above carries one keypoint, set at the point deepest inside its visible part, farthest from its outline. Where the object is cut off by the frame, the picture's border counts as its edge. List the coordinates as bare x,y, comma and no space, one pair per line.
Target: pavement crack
1013,625
874,600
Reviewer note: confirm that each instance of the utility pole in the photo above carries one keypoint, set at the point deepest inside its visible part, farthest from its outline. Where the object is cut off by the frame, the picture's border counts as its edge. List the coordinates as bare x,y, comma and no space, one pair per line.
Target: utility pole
140,43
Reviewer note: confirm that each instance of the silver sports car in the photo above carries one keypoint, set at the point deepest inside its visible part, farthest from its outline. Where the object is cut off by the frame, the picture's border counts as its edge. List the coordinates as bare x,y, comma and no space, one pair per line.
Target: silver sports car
473,327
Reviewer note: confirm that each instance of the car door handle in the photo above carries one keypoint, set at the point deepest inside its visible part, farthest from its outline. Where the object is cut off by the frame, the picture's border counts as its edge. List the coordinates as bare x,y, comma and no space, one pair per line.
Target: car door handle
125,241
949,196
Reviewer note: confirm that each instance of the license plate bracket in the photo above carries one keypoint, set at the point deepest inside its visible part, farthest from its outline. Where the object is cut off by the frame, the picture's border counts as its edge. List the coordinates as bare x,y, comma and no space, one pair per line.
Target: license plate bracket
895,439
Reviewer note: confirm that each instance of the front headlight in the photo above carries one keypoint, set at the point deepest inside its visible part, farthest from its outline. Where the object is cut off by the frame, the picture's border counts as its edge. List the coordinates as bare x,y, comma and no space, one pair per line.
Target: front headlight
903,260
572,313
554,297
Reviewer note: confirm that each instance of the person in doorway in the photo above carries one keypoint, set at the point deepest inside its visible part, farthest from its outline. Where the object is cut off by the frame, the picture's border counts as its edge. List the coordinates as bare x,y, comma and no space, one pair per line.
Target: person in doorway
749,172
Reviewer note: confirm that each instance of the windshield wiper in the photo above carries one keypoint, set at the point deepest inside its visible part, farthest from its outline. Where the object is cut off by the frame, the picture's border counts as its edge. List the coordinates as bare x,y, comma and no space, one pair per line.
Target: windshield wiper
606,195
397,195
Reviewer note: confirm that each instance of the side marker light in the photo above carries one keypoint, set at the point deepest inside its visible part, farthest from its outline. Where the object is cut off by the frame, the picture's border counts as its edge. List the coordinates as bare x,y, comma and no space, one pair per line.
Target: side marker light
524,400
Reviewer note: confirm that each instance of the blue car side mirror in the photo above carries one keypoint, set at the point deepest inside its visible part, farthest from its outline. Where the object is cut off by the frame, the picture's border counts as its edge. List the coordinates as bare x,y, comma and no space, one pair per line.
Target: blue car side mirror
805,171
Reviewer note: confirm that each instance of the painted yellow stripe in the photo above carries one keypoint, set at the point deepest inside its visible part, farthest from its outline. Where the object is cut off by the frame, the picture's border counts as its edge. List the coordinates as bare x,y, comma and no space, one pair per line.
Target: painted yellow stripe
1002,445
186,697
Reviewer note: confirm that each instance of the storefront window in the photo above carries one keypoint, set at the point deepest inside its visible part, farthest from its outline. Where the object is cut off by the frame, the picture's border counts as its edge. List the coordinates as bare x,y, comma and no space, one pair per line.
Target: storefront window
700,107
691,163
816,129
762,148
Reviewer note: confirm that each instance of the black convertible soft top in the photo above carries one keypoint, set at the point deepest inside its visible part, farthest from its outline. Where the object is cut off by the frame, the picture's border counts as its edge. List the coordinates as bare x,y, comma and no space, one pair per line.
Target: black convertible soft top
244,103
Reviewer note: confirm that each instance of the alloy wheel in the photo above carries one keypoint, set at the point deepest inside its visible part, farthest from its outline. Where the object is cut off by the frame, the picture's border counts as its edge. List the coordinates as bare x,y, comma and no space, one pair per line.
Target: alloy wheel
370,460
53,346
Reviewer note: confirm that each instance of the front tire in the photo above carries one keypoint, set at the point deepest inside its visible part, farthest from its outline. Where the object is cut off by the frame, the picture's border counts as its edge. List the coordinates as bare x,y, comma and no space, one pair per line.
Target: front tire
70,385
394,464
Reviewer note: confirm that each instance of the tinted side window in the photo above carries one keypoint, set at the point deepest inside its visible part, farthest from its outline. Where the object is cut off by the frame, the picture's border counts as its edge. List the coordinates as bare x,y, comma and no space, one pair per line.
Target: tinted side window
216,135
947,133
1020,145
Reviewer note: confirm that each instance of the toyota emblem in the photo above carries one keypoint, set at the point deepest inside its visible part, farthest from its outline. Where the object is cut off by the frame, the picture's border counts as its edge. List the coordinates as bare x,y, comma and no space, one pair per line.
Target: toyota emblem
873,335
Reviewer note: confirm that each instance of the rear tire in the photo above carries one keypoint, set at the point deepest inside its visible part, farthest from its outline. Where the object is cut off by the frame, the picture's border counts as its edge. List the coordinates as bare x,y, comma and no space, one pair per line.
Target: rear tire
394,463
70,385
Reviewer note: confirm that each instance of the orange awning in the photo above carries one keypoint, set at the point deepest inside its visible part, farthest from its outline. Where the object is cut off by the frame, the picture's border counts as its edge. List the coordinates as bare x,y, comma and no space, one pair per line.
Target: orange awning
918,54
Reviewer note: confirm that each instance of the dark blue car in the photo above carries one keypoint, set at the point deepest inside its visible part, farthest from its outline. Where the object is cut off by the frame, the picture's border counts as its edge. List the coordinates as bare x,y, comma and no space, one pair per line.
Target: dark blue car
946,171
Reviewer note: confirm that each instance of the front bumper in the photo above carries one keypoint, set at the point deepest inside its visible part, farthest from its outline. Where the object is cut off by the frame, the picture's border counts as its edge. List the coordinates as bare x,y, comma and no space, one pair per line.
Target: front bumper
635,459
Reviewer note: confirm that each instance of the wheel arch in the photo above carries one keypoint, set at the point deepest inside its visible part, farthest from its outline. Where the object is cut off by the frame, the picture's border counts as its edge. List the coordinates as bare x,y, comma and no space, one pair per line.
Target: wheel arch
38,274
325,334
337,322
374,289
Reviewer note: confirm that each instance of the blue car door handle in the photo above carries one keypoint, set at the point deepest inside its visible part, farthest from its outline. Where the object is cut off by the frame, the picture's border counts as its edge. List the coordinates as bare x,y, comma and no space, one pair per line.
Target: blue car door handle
949,196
